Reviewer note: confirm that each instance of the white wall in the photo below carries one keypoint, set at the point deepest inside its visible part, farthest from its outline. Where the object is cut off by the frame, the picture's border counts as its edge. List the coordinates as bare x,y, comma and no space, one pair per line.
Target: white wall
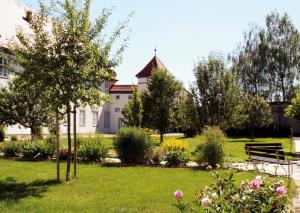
142,84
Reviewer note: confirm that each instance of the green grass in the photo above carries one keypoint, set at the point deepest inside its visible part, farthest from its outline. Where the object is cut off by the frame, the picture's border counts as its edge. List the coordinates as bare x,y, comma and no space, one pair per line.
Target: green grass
27,187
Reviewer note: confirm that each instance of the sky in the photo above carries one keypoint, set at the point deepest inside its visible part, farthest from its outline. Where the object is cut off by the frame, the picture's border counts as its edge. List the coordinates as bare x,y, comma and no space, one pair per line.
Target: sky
183,31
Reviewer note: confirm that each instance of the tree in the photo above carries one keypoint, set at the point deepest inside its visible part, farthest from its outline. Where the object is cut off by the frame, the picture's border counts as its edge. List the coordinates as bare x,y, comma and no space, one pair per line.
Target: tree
217,92
159,100
22,103
255,112
293,110
185,115
283,57
133,111
251,66
70,59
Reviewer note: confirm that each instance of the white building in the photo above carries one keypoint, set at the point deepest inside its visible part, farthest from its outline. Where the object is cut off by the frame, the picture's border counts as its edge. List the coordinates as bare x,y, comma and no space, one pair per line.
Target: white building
106,119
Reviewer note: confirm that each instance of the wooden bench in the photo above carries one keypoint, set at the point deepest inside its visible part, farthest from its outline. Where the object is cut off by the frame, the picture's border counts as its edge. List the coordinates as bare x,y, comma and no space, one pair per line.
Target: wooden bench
268,153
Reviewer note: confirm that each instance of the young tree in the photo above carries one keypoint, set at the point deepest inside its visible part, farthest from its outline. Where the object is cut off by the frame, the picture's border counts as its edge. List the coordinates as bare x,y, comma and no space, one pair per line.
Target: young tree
185,116
293,110
67,55
217,92
255,112
24,104
133,110
159,100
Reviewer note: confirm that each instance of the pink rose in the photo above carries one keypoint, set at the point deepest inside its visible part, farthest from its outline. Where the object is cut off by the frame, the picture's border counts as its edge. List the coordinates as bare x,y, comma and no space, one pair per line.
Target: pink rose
205,202
281,191
255,184
178,195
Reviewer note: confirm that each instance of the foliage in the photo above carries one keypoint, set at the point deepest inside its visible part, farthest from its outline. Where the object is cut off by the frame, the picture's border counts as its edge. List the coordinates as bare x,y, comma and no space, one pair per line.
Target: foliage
173,144
13,138
259,195
92,150
133,111
38,150
2,133
133,145
217,92
212,150
23,103
293,110
177,158
255,112
11,149
159,100
158,156
185,117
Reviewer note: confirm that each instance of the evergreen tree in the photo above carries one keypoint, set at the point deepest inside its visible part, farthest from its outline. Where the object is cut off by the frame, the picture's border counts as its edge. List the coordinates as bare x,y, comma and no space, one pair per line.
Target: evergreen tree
159,100
133,111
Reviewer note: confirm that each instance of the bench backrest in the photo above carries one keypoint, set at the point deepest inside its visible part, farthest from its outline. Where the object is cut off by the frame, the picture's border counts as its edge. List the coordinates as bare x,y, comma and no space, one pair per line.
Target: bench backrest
268,150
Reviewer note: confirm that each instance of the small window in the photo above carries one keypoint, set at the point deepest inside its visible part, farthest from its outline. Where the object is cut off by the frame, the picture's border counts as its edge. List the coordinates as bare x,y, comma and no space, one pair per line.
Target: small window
117,109
82,118
95,118
129,97
117,97
106,120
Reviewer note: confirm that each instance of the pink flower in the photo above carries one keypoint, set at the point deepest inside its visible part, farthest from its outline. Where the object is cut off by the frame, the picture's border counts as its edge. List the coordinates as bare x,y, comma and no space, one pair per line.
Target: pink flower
178,195
281,191
205,202
255,184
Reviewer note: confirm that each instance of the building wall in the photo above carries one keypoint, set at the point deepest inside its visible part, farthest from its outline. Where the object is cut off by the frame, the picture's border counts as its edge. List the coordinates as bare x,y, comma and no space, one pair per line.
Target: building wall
142,84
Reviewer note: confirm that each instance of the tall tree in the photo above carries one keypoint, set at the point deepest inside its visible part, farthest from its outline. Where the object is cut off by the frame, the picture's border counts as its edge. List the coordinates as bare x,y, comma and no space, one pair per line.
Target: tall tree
255,112
133,111
251,66
159,100
293,110
22,103
68,56
217,92
283,57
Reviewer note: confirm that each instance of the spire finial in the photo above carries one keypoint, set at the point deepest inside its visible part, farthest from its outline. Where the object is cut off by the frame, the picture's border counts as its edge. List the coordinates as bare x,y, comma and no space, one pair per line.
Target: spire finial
155,50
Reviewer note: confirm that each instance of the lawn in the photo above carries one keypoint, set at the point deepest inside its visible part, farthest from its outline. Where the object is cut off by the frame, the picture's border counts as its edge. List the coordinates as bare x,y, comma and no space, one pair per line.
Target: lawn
27,187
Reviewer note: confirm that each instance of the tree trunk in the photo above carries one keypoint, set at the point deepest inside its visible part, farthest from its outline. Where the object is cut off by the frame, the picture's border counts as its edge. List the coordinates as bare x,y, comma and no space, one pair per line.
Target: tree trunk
252,133
161,137
68,174
57,147
75,143
283,89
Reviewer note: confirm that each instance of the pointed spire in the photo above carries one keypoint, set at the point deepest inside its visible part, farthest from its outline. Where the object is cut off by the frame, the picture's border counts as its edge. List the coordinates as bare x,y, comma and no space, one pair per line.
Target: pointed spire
155,50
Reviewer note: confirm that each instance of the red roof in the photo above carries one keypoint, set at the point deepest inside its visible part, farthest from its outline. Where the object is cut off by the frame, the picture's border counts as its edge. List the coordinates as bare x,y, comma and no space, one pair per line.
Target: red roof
121,88
154,63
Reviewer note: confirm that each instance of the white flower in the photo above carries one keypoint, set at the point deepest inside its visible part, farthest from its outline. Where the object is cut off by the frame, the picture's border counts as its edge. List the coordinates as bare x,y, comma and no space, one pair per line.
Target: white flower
206,202
214,195
258,178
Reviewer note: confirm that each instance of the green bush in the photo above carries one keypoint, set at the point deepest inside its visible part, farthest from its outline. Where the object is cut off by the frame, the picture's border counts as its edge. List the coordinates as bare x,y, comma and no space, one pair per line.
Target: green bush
11,149
2,133
133,145
212,151
38,150
177,158
90,150
13,138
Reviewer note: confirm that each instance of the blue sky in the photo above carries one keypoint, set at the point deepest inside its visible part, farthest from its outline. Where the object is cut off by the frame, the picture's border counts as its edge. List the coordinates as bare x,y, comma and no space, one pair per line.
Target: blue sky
184,31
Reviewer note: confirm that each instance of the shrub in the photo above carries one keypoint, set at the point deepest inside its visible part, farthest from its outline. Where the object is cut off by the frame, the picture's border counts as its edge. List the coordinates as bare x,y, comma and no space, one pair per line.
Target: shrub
38,150
259,195
133,145
158,156
2,133
11,149
212,151
174,144
13,138
92,151
177,158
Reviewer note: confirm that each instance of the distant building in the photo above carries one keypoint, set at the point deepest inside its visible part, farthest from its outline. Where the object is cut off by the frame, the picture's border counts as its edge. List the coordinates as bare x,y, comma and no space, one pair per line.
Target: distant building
102,119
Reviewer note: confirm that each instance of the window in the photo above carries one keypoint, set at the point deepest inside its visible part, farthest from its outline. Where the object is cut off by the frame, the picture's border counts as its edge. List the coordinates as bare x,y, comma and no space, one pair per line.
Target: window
106,119
95,118
3,71
117,109
82,118
129,97
117,97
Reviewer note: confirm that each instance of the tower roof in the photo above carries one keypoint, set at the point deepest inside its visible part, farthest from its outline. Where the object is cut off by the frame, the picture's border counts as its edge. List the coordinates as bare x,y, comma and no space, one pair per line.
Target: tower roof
147,70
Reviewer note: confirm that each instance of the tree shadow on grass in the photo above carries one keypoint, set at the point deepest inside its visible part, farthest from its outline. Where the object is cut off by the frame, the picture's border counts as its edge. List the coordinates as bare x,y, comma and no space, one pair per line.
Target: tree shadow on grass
13,191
